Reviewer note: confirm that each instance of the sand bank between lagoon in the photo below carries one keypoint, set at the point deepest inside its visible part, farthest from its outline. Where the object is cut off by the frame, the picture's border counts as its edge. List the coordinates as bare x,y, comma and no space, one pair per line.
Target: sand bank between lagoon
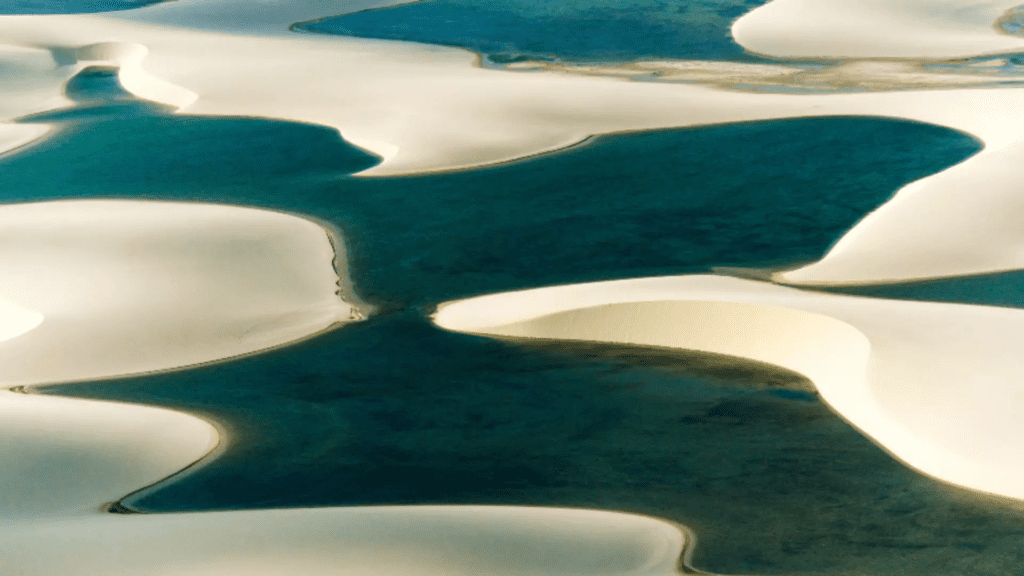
935,384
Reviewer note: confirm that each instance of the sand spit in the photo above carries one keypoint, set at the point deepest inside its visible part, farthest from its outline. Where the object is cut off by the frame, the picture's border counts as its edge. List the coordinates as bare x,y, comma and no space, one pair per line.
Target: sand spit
935,384
855,76
127,287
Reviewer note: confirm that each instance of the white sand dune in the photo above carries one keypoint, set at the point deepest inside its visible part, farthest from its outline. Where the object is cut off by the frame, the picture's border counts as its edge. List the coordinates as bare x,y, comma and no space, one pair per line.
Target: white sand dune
64,458
127,287
876,28
378,541
15,320
936,384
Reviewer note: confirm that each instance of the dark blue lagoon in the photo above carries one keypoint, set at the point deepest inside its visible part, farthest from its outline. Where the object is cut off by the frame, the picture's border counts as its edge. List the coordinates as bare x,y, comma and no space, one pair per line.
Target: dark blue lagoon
588,30
395,411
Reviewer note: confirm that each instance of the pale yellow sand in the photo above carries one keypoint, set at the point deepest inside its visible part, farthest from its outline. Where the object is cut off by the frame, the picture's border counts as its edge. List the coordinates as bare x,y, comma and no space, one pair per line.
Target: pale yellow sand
127,287
15,320
370,541
875,28
65,457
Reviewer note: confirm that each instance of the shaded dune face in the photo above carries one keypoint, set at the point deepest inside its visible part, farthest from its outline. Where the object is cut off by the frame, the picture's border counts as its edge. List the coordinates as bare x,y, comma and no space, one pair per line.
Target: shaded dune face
126,287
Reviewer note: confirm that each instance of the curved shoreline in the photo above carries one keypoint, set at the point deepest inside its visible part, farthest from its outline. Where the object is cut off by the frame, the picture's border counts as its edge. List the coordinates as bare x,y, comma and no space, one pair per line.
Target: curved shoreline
902,399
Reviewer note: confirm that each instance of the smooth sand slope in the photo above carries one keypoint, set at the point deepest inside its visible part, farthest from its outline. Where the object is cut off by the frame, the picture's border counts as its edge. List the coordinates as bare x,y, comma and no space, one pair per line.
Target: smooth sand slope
126,287
65,458
378,541
15,320
875,28
936,384
108,288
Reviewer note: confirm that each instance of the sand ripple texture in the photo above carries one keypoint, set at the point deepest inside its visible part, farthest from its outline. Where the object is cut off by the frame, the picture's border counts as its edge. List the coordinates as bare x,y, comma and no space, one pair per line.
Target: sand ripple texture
97,289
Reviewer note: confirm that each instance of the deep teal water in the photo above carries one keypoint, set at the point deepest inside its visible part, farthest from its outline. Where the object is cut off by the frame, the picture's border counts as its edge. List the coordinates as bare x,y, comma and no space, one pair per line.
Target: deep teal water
393,410
1005,289
70,6
654,203
581,30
